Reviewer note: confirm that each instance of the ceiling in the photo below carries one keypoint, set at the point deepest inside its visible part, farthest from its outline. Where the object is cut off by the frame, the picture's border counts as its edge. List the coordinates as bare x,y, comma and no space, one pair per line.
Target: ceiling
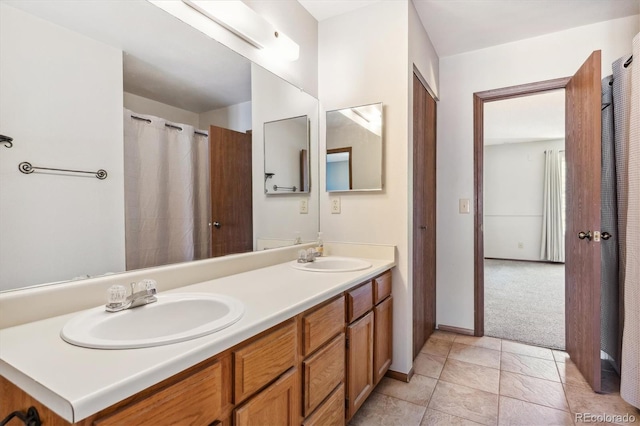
458,26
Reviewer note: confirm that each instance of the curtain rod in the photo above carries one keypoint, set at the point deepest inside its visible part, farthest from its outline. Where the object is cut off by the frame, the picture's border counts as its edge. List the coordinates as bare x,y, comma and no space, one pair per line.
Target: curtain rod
173,126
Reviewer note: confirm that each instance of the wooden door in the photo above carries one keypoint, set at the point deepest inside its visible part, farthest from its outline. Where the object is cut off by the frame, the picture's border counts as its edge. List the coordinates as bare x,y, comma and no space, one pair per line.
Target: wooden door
231,193
359,363
424,215
583,144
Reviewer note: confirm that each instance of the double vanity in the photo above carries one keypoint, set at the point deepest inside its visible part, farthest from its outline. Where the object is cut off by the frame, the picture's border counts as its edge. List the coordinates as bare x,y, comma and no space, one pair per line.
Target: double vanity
274,345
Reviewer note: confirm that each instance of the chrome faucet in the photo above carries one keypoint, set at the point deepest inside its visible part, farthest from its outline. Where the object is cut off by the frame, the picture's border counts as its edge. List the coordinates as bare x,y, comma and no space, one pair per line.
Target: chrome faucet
142,293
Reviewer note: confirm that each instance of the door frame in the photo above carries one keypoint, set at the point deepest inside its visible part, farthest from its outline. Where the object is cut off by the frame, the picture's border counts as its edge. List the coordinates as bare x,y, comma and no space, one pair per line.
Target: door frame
479,99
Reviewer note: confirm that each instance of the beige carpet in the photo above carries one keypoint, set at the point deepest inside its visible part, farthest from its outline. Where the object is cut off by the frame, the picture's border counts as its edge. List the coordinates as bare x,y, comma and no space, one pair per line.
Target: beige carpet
524,301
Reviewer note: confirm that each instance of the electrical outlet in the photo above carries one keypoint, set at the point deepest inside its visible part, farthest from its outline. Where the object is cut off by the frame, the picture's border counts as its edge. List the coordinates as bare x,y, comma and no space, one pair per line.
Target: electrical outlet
520,245
304,206
335,205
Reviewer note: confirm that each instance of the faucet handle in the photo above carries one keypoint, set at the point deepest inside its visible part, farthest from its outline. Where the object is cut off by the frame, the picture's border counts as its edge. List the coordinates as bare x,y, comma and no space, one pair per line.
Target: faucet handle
116,295
148,285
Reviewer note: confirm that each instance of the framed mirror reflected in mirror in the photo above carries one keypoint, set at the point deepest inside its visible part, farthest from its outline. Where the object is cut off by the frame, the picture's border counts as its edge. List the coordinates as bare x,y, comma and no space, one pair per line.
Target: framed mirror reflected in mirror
354,149
286,156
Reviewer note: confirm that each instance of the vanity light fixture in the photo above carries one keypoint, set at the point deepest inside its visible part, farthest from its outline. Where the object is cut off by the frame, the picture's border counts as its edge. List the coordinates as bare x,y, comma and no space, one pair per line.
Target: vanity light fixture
240,19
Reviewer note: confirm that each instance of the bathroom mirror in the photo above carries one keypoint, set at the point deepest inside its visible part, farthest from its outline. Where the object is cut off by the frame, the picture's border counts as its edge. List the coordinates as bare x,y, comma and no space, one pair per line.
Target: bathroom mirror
354,149
286,156
69,70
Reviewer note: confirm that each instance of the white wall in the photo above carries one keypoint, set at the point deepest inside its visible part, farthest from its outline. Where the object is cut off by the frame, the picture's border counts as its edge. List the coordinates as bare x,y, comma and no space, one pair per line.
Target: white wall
513,198
235,117
422,57
278,216
58,227
143,105
541,58
362,60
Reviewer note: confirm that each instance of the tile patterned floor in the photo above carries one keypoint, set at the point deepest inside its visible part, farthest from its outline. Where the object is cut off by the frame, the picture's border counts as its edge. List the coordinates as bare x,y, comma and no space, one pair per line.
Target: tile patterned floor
464,380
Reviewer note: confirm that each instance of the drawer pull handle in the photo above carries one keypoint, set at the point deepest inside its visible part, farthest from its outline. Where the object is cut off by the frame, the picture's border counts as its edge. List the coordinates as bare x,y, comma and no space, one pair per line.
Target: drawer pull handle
32,418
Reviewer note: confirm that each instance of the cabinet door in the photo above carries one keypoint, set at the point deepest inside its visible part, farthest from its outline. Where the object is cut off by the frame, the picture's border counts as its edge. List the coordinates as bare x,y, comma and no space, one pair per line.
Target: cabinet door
359,363
382,340
276,405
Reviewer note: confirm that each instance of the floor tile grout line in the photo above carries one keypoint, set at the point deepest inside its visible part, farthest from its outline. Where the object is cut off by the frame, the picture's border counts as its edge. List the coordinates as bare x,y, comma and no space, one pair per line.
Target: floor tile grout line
531,356
537,403
452,415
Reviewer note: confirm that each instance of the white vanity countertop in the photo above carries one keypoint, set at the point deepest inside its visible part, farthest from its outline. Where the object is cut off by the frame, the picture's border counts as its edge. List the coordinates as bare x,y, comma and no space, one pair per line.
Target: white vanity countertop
77,382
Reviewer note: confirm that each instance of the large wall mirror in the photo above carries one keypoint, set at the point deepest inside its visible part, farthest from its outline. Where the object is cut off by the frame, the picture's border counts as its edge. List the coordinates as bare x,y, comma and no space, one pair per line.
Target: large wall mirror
174,117
354,148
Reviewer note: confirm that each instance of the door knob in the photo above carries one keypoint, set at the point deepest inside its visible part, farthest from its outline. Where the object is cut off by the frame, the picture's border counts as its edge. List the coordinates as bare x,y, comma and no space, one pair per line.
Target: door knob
423,228
216,224
605,235
583,235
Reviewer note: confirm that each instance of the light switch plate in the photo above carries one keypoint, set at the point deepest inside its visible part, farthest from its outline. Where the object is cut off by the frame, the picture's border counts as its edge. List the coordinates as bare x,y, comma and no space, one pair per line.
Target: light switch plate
304,206
464,206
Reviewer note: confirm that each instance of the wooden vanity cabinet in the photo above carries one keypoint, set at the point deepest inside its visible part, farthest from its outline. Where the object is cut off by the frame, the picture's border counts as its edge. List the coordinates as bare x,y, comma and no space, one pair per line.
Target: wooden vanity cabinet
316,368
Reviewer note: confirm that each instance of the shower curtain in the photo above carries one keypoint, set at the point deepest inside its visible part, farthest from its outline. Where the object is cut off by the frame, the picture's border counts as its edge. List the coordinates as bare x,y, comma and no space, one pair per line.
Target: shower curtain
630,374
552,248
166,192
610,341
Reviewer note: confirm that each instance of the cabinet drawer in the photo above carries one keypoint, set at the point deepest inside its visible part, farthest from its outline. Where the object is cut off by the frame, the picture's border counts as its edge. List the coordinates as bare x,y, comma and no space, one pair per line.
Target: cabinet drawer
381,287
323,372
276,405
258,363
322,324
196,399
331,413
359,301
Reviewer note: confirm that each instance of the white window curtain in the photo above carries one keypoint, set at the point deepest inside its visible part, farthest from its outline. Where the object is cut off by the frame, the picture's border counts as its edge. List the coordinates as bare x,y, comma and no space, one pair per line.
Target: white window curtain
166,192
552,247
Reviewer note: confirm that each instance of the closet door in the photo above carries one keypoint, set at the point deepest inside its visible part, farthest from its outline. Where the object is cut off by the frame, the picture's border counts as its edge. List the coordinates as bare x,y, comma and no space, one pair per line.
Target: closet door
583,145
424,215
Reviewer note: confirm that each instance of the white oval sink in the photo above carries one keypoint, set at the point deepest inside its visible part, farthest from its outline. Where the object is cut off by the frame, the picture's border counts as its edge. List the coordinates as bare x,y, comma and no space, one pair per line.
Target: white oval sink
175,317
332,264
